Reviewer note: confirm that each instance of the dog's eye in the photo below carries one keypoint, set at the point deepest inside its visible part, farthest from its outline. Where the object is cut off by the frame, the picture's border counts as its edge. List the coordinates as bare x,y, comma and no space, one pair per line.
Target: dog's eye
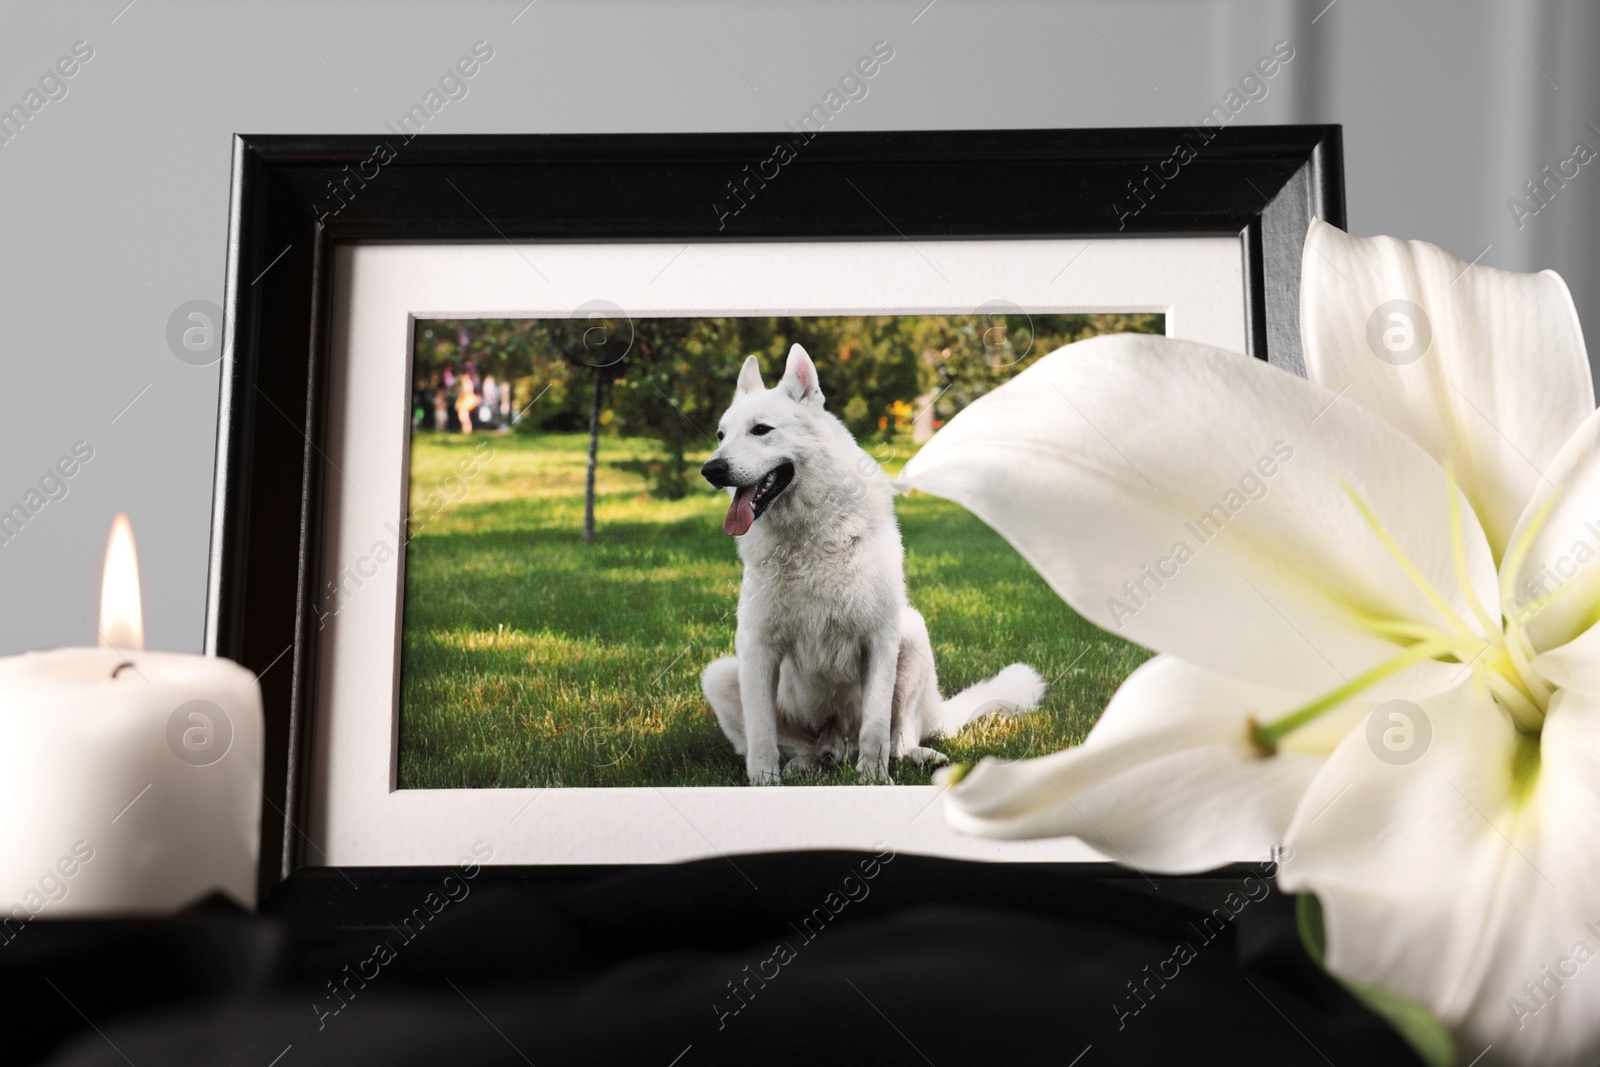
719,435
759,430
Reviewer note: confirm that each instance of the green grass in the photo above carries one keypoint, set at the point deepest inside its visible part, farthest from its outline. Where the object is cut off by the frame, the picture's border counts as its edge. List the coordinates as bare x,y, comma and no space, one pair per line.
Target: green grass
531,659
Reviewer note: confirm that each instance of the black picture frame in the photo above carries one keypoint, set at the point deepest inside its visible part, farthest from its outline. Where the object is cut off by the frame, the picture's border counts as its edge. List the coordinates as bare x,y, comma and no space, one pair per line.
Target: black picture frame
294,199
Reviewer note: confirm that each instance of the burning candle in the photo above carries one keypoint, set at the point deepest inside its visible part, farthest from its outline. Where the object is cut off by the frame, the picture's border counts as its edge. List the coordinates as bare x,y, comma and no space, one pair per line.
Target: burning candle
129,780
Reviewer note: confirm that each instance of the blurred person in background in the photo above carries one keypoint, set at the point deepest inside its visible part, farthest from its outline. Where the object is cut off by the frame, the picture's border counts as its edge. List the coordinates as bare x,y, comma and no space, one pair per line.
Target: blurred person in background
466,401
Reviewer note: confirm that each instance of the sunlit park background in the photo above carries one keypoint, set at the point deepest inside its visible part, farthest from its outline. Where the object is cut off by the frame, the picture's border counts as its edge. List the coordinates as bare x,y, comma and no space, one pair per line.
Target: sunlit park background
554,633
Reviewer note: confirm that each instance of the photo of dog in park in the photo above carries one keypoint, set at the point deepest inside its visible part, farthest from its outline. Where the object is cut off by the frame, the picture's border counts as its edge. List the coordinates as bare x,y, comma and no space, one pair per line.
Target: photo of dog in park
669,552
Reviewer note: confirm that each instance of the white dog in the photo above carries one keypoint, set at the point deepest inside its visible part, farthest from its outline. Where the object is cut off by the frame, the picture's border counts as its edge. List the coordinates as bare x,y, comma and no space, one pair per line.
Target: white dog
832,660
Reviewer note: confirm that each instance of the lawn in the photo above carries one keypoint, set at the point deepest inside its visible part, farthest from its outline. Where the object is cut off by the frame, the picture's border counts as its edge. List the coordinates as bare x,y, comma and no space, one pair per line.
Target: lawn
532,659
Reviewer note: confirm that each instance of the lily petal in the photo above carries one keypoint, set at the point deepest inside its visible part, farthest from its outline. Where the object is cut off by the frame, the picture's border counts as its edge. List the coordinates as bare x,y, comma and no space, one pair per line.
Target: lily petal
1503,385
1194,501
1166,781
1574,665
1557,585
1456,879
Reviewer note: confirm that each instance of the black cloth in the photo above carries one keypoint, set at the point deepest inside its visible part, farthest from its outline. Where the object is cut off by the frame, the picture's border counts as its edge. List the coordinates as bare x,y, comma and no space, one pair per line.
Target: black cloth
927,961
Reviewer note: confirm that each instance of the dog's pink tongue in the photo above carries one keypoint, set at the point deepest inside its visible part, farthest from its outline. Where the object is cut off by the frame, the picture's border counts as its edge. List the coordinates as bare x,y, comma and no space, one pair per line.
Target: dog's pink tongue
741,513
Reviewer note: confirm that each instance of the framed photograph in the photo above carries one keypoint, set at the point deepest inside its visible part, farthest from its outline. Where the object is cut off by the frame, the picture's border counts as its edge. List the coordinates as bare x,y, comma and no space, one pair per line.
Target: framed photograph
492,462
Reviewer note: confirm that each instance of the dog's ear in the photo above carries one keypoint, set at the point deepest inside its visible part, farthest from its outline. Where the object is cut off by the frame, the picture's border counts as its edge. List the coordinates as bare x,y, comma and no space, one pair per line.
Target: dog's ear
749,376
800,377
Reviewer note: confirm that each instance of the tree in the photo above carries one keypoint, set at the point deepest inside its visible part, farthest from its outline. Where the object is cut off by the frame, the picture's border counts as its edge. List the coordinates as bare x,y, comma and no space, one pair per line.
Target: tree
602,339
594,457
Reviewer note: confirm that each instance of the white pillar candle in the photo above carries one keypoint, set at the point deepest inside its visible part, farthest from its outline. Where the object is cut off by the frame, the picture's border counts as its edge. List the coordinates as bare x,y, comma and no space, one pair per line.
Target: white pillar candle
129,780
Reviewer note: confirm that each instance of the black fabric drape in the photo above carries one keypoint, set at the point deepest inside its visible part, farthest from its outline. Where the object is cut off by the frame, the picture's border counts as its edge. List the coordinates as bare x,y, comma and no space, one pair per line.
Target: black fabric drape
927,961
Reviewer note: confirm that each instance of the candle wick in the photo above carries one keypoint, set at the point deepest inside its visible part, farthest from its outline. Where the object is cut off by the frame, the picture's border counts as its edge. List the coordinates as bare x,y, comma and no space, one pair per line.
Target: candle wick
118,670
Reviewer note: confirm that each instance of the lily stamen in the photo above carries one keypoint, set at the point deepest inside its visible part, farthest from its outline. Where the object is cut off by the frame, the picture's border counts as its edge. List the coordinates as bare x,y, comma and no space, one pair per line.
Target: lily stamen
1524,713
1411,570
1498,658
1266,736
1409,633
1530,682
1458,553
1516,556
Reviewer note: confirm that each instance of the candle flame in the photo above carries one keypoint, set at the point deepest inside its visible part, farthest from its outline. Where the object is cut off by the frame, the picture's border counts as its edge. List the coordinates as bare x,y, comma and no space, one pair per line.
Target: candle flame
121,613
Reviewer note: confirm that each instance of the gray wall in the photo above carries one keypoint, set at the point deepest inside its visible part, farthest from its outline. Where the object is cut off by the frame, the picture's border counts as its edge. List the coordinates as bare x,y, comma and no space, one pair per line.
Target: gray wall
115,196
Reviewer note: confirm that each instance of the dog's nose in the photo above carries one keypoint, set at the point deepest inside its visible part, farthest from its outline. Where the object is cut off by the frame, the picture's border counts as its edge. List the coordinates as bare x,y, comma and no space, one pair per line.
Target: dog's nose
716,472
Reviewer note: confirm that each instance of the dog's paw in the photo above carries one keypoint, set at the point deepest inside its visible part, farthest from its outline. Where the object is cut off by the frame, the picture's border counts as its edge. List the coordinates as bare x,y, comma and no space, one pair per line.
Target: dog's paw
801,766
763,772
925,757
873,768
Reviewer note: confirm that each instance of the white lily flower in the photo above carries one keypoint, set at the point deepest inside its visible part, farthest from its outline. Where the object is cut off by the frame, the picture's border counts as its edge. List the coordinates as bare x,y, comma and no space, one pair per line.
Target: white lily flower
1418,521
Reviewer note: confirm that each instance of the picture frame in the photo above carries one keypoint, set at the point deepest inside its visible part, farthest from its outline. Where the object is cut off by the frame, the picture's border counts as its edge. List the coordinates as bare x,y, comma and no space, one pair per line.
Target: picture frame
301,207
